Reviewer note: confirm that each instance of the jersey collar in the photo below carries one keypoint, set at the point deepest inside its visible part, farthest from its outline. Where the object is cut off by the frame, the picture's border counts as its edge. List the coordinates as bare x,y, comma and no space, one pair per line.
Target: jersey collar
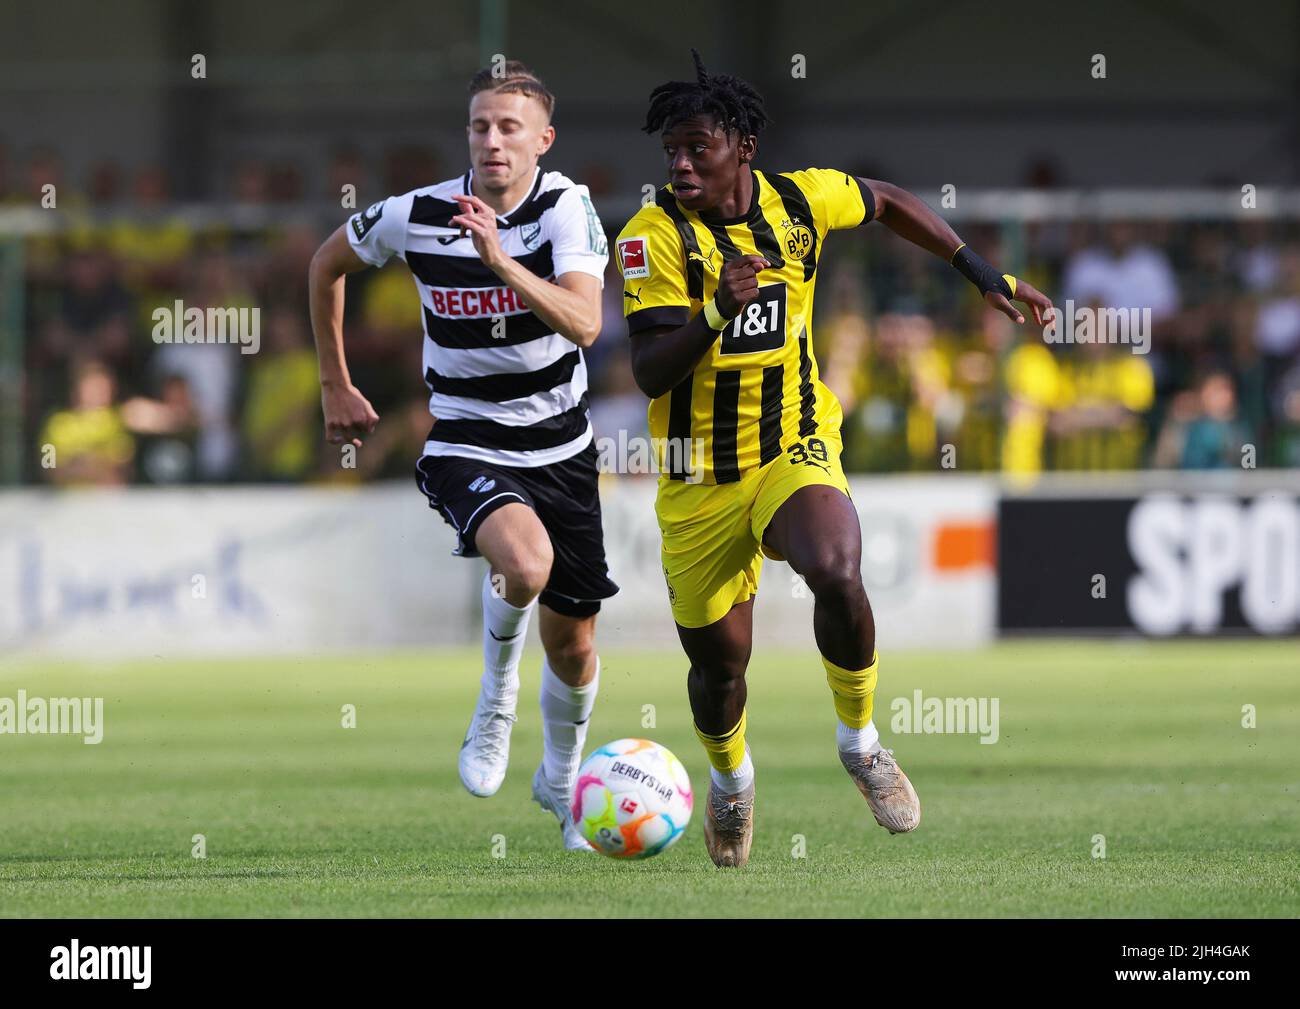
509,215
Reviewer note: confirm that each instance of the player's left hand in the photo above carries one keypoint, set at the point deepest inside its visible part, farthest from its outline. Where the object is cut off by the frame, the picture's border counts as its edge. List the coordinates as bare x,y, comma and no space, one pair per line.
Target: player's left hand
480,221
1025,292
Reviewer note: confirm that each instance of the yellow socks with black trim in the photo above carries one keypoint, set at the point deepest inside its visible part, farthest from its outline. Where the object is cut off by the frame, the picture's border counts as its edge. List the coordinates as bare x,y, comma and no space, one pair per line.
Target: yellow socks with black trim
732,768
853,691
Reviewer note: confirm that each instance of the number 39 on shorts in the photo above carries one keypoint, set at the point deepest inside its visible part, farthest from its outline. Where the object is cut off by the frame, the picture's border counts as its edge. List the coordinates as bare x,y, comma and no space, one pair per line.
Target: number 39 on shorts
809,453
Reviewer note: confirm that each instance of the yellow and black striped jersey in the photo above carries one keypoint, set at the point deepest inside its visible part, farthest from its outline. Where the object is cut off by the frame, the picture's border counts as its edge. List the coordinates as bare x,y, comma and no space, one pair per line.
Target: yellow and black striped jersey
757,389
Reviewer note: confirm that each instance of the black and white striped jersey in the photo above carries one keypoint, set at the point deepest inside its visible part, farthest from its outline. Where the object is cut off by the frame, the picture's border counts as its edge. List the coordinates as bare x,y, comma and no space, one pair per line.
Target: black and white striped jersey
503,386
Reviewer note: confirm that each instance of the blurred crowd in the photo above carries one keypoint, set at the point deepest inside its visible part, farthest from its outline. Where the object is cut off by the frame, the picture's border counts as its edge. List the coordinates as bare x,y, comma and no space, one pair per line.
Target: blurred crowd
104,402
928,376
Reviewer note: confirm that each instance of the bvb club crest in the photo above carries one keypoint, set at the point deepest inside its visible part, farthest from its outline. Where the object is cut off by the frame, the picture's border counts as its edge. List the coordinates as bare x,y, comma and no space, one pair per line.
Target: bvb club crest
798,240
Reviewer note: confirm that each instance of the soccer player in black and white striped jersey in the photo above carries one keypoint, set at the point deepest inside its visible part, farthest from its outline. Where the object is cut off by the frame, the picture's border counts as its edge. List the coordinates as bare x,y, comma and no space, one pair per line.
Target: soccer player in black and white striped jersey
508,262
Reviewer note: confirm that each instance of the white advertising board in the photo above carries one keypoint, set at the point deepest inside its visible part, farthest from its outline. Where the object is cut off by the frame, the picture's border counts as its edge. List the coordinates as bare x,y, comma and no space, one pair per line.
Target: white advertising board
252,570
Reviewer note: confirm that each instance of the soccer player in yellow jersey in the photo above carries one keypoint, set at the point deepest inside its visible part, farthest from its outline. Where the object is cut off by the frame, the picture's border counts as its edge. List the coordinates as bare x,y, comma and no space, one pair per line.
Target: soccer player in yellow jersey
718,292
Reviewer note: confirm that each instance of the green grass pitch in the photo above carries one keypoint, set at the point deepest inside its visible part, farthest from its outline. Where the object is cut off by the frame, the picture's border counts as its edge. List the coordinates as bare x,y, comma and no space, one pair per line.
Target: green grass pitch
1139,742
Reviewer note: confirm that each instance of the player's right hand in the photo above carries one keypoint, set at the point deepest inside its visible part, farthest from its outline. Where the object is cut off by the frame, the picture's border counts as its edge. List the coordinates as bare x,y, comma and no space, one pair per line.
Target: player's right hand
738,284
348,414
1040,303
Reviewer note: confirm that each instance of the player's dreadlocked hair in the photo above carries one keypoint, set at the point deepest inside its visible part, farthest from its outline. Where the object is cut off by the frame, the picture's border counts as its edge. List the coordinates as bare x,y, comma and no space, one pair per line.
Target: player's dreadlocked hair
731,101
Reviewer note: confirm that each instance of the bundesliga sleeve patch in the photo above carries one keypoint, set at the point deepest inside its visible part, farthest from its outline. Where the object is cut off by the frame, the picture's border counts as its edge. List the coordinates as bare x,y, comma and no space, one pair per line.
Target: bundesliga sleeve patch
632,258
362,223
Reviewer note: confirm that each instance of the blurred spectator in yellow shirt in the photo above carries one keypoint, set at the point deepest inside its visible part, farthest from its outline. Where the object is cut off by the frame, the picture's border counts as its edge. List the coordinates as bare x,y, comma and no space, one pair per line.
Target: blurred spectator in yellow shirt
282,424
900,388
151,239
1100,423
88,443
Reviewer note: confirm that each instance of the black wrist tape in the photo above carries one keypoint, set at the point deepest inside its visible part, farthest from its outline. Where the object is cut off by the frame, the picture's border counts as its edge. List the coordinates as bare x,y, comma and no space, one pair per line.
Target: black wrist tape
983,275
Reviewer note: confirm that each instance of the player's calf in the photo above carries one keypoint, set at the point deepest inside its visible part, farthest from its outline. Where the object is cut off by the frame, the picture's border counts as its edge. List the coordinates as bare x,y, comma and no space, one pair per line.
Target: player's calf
843,623
570,682
519,552
719,653
816,530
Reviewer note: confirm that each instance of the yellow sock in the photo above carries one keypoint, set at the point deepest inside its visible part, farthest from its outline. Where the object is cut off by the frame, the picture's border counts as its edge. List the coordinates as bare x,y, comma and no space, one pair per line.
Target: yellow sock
727,751
853,691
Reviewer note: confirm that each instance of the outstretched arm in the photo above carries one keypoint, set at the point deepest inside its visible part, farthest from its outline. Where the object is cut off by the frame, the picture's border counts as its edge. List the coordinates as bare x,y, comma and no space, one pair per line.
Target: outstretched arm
348,414
909,217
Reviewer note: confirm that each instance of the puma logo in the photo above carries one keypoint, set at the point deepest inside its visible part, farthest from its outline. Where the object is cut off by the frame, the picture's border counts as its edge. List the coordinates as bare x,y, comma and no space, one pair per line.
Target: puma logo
635,297
695,257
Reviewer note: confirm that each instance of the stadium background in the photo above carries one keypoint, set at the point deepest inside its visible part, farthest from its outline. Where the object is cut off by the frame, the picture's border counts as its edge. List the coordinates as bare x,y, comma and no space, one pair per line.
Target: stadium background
1117,191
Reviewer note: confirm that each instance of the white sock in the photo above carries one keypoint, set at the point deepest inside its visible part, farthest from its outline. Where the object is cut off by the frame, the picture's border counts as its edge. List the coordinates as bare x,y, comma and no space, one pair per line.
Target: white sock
863,740
734,782
565,713
505,629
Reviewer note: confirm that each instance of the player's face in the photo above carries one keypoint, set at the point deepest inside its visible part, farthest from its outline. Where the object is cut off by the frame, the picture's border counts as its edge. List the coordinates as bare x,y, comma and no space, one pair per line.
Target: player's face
704,161
507,134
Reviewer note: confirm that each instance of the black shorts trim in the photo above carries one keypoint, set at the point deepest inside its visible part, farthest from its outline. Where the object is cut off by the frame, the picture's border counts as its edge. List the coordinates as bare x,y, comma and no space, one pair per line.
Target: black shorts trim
576,608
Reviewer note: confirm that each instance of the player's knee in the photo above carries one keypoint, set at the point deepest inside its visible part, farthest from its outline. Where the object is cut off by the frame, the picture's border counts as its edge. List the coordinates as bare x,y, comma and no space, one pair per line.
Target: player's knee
721,675
527,569
835,576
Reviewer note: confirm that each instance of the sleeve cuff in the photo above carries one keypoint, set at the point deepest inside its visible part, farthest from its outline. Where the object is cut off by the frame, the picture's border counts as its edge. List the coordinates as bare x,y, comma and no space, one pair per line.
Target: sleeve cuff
583,262
661,315
868,201
363,251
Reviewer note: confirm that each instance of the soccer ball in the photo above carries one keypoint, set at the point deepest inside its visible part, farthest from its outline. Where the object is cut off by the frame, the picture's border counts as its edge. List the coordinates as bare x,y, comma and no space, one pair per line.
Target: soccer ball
632,800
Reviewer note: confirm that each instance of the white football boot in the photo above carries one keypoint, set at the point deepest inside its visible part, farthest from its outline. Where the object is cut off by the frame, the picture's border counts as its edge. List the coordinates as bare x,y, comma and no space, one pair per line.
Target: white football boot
554,801
486,751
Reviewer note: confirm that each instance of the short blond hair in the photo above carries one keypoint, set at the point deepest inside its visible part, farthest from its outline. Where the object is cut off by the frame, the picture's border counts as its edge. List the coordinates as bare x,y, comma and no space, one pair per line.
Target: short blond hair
513,77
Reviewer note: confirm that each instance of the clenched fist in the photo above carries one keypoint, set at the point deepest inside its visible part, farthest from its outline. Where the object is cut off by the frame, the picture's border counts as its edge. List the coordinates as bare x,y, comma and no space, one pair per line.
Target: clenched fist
738,284
348,414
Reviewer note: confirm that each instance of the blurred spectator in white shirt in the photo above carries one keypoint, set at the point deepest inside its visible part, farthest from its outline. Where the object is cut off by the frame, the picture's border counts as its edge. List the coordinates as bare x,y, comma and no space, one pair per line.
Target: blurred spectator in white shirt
1277,323
1122,274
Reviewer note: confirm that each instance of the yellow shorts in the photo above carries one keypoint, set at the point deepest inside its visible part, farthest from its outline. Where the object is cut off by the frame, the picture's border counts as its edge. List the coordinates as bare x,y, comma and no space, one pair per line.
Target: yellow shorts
713,533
